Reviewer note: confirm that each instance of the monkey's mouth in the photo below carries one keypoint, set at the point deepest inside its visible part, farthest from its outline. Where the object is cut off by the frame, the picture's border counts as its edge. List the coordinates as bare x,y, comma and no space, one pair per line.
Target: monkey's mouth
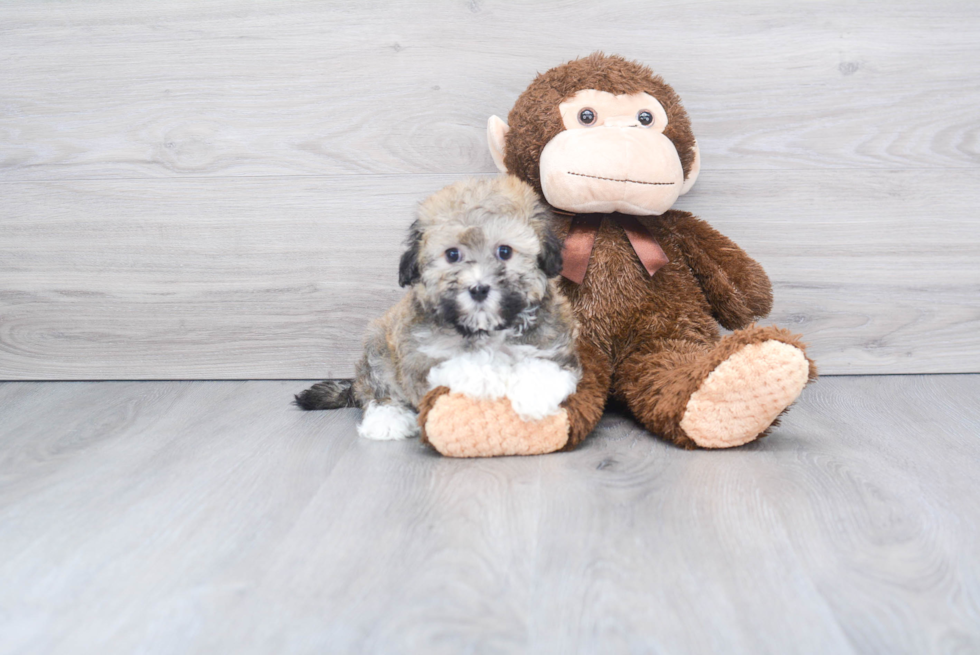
612,179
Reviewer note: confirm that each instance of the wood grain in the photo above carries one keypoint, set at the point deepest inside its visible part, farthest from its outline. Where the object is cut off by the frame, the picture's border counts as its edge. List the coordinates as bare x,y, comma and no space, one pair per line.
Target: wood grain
103,90
219,191
214,517
277,278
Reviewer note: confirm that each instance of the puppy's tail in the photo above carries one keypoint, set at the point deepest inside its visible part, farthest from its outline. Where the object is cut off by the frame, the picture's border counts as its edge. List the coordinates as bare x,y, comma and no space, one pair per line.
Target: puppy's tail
329,394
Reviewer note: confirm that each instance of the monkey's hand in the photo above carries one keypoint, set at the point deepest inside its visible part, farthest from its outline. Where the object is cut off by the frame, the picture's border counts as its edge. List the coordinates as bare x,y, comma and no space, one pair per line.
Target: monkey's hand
458,425
735,285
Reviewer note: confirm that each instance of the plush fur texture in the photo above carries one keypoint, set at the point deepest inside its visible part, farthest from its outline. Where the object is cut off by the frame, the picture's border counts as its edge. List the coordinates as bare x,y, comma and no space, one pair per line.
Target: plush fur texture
660,334
482,315
653,343
535,119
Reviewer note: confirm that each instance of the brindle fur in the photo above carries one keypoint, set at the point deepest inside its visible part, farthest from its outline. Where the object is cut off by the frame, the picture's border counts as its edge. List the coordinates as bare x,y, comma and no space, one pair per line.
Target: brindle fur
525,315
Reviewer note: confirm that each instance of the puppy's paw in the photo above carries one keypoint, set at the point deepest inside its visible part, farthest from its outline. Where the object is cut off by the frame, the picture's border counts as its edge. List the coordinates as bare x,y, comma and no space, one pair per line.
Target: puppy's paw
537,387
475,374
388,422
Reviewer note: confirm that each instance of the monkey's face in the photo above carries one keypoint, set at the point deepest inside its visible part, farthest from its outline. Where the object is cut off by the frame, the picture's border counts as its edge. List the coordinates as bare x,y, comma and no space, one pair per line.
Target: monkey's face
612,156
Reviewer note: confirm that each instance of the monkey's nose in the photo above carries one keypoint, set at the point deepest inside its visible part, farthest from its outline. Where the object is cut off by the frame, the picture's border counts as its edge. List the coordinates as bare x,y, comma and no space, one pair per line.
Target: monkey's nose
480,292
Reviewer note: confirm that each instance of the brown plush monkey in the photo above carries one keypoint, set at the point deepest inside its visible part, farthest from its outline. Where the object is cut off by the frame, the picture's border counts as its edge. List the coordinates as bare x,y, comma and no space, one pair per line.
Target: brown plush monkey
607,142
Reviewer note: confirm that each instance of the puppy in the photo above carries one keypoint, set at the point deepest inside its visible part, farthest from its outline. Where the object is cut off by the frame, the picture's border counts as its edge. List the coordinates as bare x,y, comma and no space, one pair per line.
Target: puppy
483,315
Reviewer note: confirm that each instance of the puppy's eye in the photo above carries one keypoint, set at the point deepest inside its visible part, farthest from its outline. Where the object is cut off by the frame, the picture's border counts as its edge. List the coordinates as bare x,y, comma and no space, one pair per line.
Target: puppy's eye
504,252
586,116
453,256
645,118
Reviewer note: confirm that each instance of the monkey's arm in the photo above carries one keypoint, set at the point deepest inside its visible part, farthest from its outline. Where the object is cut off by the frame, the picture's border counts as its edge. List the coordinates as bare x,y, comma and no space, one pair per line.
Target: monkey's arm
736,286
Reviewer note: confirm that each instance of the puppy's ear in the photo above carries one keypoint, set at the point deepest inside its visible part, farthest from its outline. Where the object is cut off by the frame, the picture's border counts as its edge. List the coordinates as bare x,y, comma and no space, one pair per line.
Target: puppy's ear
549,259
408,270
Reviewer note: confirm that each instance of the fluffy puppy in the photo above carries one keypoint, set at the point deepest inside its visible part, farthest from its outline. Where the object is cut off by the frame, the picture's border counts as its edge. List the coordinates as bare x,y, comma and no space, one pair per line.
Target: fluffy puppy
482,316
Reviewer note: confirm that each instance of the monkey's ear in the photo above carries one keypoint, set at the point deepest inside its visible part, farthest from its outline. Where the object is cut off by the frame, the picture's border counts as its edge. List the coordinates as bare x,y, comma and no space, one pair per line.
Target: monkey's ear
496,131
408,270
692,175
549,259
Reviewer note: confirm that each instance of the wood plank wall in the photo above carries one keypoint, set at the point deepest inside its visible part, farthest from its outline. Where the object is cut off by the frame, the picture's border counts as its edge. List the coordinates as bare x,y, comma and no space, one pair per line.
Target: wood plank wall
219,190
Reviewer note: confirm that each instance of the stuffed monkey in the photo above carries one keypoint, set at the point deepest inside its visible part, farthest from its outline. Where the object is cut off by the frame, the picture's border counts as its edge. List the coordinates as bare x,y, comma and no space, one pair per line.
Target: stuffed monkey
610,147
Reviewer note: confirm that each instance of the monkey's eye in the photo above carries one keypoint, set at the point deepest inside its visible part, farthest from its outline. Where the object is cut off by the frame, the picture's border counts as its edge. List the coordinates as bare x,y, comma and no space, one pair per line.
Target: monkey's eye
453,256
645,118
504,252
586,116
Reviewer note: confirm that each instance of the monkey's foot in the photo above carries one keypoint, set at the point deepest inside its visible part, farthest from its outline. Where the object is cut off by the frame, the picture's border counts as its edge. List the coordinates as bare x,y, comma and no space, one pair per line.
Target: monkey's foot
460,426
742,397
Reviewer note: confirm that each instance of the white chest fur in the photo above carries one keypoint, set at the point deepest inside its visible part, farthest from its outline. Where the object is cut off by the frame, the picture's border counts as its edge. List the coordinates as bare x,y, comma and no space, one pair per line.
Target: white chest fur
535,387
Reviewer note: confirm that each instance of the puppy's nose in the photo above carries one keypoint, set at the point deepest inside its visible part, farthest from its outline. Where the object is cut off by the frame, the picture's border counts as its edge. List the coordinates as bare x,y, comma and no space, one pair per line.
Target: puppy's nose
480,292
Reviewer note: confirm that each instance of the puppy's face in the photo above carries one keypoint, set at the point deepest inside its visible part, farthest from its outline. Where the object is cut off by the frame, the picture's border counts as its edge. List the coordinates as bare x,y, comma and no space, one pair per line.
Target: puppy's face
481,254
481,277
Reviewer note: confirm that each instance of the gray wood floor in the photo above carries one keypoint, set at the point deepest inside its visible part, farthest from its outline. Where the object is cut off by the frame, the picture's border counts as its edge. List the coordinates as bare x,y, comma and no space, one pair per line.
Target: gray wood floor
213,517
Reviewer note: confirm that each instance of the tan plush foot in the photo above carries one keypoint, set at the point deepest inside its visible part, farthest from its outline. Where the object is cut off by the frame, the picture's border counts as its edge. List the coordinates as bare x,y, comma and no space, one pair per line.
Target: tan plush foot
744,394
459,426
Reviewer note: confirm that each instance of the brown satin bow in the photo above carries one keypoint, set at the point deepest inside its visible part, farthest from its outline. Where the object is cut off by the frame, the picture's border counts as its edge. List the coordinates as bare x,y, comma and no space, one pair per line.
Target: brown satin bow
581,239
